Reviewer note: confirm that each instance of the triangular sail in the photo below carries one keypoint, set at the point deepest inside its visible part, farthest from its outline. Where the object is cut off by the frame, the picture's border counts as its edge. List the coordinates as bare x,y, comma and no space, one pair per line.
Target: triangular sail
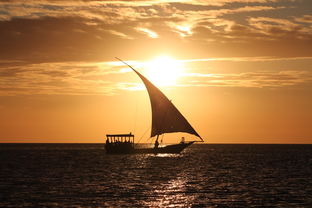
166,118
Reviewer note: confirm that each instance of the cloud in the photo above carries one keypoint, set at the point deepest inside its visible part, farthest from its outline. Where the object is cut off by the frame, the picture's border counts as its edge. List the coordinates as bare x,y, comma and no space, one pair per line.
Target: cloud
115,12
108,78
149,32
213,13
57,31
58,78
248,59
59,39
120,34
305,19
251,79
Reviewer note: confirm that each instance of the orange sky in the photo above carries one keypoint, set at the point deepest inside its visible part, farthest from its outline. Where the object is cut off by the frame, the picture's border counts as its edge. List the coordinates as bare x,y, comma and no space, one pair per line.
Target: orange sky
240,71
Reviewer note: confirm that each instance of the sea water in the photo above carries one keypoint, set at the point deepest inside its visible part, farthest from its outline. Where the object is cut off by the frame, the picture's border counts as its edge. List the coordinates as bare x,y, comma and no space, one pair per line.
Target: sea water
209,175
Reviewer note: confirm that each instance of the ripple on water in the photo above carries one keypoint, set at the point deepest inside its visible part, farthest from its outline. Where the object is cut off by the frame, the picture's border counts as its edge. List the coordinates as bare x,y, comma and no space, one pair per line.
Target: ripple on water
81,175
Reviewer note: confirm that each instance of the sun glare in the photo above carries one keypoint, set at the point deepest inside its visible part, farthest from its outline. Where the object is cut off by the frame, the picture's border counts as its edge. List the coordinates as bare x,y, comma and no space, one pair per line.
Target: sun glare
164,71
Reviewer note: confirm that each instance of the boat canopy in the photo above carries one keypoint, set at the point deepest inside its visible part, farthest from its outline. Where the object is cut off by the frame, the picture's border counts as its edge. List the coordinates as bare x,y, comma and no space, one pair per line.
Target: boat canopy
119,135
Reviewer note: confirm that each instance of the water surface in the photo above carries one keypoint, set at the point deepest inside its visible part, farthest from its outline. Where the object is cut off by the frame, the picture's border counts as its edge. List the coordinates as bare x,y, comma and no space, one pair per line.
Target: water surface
82,175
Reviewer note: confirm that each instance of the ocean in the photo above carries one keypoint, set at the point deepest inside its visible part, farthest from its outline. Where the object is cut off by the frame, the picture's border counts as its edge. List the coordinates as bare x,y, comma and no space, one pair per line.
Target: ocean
207,175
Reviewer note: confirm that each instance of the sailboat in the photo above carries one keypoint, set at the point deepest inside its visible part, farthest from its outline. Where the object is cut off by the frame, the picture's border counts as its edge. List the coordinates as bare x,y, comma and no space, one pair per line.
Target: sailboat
166,118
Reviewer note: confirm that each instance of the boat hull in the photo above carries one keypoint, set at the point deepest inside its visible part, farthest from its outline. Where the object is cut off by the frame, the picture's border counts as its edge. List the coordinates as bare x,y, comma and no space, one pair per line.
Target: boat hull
169,149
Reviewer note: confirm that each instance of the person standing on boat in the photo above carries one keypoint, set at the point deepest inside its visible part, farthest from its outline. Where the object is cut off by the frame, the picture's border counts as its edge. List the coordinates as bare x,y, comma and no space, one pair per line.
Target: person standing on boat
182,140
156,144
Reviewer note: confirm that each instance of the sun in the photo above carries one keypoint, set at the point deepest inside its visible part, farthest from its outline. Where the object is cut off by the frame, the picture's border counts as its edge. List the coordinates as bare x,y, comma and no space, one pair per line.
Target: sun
164,70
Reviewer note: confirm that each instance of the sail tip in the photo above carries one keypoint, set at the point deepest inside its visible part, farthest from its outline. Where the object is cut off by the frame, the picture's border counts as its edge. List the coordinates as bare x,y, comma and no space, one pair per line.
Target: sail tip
118,59
127,64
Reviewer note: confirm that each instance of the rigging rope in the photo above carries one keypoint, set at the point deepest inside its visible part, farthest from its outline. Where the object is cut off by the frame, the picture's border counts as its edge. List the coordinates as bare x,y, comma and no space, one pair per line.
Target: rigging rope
136,113
144,134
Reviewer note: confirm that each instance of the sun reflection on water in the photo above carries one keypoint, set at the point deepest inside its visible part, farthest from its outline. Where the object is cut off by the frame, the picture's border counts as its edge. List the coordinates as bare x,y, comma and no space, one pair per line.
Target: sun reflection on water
167,155
171,194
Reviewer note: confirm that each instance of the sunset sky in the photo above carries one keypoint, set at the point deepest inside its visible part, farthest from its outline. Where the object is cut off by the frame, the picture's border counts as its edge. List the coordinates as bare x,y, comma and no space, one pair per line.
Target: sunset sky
240,71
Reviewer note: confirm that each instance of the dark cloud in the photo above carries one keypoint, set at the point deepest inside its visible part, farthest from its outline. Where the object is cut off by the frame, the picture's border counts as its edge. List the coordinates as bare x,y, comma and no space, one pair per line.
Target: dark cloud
74,39
10,72
54,31
50,39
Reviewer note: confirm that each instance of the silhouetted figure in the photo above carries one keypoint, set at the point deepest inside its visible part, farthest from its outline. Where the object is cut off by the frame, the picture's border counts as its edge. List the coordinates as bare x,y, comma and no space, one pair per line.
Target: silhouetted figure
156,144
182,140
